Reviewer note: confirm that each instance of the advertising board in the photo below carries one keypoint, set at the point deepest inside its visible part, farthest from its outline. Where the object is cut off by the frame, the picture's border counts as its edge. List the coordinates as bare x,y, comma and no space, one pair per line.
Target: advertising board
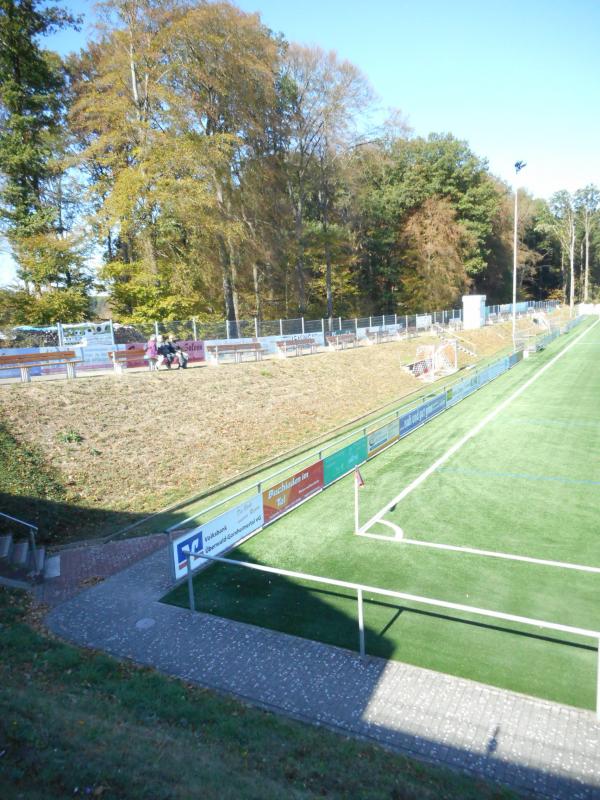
218,535
293,490
461,390
422,414
338,464
383,437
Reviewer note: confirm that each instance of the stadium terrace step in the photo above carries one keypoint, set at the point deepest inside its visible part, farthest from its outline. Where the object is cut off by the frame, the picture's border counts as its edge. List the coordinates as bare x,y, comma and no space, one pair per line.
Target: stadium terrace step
6,546
52,567
20,554
19,559
37,562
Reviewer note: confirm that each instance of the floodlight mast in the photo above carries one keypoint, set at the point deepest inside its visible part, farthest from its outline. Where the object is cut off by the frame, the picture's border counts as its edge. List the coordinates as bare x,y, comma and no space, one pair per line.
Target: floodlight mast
518,167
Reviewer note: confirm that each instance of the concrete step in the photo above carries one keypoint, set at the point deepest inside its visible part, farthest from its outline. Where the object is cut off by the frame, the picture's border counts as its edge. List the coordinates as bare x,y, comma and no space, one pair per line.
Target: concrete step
20,554
6,546
40,559
52,567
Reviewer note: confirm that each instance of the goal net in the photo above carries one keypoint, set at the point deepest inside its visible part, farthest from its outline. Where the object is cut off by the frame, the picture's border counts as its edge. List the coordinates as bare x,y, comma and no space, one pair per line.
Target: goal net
436,360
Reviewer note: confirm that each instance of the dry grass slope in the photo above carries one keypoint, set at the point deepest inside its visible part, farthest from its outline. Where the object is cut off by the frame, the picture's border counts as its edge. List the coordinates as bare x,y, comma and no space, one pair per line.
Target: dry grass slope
141,442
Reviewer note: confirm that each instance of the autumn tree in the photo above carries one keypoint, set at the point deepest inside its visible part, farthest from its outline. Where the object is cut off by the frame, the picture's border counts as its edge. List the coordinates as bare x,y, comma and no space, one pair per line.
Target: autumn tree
562,223
36,203
587,203
433,244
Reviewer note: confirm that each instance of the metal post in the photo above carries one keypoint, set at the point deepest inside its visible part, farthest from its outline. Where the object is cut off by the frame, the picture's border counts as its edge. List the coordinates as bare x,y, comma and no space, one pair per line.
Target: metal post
356,521
194,329
356,325
256,327
361,623
226,330
598,684
59,331
340,323
156,329
280,327
190,583
112,332
33,550
395,319
302,318
407,326
370,322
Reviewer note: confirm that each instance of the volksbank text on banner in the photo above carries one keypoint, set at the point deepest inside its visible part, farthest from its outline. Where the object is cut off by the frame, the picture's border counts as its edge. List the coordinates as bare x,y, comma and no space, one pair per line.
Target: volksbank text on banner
291,491
219,534
422,414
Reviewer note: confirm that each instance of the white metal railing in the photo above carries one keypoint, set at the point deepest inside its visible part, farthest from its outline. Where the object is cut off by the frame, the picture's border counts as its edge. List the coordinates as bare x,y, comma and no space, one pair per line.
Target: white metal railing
33,530
360,589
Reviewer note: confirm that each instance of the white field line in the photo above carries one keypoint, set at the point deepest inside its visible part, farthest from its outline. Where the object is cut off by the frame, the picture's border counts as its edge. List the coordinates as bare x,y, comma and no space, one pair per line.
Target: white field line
473,432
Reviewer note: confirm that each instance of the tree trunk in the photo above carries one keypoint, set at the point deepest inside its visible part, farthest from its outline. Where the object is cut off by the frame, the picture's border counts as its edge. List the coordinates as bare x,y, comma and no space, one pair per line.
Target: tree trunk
228,292
300,280
257,297
572,268
586,280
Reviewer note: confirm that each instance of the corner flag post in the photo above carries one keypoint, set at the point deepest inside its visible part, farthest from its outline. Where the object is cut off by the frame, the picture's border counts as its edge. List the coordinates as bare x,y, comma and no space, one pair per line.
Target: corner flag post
358,484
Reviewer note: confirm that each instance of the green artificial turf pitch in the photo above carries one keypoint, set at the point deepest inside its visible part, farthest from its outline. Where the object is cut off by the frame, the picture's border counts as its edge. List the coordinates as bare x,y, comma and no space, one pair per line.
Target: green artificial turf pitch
526,484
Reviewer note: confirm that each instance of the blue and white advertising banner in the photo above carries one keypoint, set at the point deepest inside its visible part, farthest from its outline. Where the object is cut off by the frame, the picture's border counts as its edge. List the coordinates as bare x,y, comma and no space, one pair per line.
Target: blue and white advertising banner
422,414
218,535
382,437
515,358
461,390
492,371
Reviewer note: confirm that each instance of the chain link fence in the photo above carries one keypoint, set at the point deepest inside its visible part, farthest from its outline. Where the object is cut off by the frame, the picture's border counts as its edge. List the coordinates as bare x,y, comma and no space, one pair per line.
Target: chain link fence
25,336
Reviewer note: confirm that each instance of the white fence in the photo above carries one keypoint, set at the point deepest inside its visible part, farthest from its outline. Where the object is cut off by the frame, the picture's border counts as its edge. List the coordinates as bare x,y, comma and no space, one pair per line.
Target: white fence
360,589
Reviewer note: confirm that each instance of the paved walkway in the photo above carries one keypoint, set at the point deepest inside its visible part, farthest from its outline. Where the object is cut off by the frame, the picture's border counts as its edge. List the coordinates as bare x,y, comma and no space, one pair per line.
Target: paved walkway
533,746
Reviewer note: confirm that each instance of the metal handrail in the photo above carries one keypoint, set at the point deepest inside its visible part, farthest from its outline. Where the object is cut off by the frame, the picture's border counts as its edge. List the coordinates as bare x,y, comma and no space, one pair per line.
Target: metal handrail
33,530
361,588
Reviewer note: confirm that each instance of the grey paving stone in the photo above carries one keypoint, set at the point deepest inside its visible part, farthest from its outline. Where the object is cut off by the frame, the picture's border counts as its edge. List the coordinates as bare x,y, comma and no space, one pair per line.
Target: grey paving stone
536,747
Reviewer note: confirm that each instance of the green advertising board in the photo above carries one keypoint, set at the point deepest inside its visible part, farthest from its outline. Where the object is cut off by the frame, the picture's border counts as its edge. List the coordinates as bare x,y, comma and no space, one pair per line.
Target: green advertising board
337,464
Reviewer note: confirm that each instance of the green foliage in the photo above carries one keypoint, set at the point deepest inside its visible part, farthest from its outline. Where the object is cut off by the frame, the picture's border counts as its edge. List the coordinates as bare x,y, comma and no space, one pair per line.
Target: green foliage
225,176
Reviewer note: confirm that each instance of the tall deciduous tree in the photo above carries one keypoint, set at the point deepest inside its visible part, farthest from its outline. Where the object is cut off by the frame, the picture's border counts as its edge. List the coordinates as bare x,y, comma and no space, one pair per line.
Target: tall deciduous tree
587,203
563,220
35,203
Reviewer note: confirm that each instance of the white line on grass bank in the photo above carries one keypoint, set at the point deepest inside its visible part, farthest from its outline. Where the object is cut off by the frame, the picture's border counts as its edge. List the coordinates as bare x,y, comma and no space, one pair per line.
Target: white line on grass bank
473,432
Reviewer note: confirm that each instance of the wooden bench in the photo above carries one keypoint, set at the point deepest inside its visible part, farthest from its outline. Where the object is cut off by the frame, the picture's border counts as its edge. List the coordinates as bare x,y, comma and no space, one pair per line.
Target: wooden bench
382,335
296,346
215,351
121,358
26,361
341,340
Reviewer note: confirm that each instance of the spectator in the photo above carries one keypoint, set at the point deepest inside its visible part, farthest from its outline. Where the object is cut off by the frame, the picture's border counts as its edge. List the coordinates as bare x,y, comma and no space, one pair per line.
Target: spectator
151,354
177,350
165,353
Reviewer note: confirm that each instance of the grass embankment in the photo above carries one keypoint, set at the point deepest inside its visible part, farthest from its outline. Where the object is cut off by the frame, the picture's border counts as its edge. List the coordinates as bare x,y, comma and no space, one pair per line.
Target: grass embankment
118,449
77,723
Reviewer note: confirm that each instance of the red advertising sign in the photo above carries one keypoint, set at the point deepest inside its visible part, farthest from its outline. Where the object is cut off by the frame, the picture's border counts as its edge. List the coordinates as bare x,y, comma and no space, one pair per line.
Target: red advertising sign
291,491
194,349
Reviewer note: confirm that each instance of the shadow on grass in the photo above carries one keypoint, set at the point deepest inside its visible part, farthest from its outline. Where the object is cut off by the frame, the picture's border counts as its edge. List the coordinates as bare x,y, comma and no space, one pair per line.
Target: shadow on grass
58,521
279,603
399,610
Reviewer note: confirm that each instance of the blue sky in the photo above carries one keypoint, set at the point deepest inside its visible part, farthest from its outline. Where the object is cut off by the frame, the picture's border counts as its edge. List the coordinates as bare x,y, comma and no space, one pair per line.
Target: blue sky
517,80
